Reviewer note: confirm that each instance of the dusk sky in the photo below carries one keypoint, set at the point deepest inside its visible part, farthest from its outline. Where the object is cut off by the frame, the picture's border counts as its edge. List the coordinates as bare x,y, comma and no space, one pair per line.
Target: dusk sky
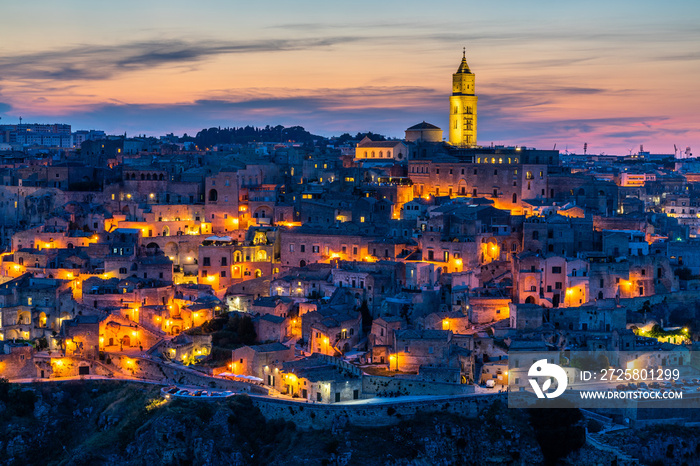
615,74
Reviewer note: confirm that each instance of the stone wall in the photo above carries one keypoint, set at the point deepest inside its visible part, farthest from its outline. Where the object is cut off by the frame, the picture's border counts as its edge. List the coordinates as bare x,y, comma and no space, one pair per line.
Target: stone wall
68,367
17,363
372,384
171,374
488,309
323,416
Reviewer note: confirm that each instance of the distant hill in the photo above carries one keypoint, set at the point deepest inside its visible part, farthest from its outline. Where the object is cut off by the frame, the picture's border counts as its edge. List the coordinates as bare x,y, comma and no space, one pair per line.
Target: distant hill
246,134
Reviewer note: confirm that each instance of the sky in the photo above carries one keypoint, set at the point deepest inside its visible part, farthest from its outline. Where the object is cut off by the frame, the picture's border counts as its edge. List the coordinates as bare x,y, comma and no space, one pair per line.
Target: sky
615,74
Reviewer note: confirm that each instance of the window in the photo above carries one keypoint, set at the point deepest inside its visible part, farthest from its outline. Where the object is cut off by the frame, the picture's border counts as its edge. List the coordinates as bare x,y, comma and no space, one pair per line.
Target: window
315,249
223,274
302,248
224,261
206,262
291,248
556,269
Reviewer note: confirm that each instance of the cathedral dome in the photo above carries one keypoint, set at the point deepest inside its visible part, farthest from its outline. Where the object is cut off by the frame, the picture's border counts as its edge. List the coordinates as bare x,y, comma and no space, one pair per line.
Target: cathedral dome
424,132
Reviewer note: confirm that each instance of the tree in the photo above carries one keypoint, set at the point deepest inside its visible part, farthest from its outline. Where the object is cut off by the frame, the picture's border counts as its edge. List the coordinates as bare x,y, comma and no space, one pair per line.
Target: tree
559,431
366,317
405,313
42,344
683,273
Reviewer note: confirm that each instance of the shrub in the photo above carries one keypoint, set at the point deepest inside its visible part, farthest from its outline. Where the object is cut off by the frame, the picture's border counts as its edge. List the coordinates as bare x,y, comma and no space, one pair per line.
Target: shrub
594,426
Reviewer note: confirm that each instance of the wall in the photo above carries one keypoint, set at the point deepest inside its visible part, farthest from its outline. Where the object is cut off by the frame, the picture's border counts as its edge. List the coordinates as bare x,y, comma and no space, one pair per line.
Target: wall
322,416
168,373
485,309
18,363
378,384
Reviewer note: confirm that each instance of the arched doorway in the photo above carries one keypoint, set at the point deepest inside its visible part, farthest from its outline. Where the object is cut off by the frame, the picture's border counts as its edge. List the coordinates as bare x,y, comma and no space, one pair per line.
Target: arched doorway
530,300
126,341
302,263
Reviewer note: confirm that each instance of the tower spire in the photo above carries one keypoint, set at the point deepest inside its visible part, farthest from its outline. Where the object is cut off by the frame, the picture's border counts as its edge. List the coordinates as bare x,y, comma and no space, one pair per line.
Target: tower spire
463,67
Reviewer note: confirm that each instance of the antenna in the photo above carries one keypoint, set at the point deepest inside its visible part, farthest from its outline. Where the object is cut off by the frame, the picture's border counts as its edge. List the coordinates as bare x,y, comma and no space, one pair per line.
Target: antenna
675,151
555,146
585,148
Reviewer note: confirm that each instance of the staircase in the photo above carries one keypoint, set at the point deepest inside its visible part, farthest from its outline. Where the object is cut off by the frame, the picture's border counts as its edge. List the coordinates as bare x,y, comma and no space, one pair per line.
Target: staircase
154,350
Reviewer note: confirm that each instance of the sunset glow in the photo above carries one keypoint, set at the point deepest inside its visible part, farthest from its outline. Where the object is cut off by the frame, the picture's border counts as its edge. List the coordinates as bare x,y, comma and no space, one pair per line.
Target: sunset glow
544,76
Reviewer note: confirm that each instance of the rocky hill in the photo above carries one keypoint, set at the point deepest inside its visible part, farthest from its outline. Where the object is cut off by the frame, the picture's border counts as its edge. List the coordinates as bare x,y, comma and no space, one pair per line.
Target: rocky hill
106,422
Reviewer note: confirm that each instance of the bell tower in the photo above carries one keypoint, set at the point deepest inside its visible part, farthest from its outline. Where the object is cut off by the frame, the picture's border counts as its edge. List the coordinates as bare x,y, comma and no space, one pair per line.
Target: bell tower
463,106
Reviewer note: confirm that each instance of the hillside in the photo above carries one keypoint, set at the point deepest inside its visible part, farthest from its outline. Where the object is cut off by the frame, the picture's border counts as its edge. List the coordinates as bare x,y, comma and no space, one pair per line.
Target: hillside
105,422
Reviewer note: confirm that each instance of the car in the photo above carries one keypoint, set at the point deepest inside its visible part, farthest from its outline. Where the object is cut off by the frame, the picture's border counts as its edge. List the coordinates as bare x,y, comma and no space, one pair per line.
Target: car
632,386
173,390
621,388
643,385
655,385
